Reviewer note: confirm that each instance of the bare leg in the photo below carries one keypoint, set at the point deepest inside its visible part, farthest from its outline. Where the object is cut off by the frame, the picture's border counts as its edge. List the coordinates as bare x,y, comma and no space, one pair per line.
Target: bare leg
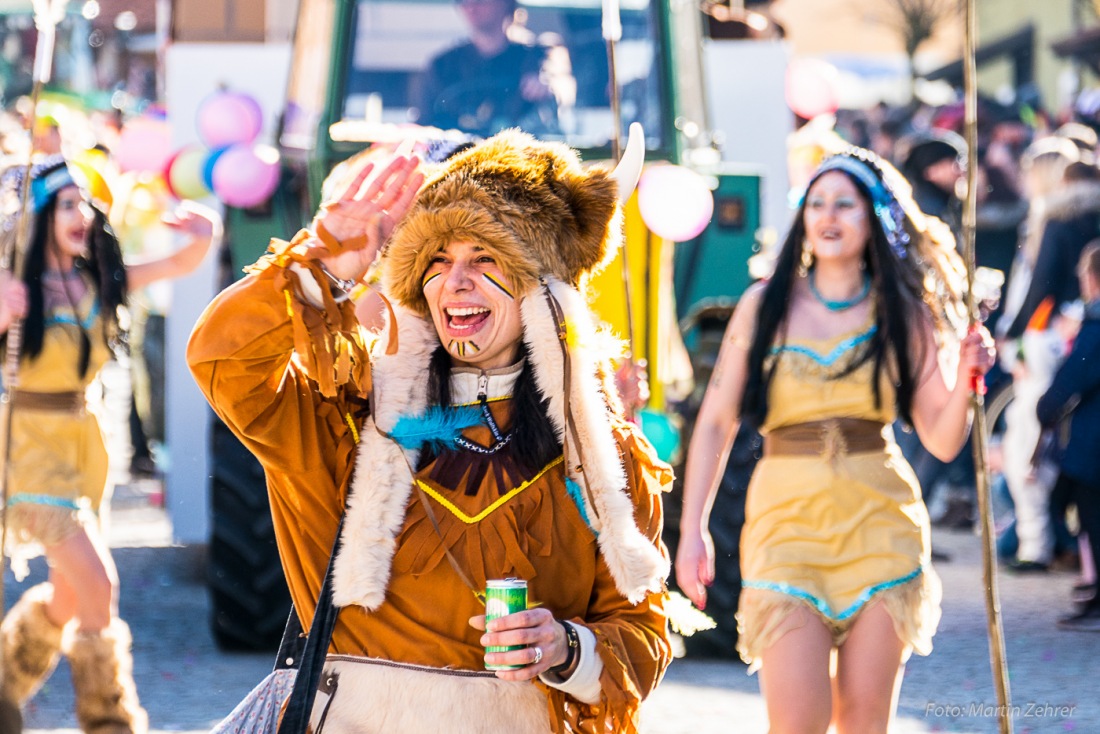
85,581
794,677
870,664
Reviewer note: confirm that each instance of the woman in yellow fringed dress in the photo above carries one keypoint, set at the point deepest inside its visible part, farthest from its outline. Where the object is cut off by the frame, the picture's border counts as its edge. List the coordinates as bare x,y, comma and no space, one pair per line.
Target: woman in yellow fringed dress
845,336
73,285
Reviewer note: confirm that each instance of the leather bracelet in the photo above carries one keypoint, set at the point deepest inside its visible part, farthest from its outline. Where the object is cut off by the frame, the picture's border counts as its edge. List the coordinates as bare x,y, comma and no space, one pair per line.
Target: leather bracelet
573,646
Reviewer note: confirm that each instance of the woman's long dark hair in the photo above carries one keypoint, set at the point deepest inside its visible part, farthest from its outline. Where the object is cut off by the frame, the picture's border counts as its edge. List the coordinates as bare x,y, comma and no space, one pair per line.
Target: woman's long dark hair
901,306
534,443
102,263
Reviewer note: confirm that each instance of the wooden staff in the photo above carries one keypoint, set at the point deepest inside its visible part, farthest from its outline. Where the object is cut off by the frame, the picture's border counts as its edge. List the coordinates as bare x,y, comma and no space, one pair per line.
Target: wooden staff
997,658
47,14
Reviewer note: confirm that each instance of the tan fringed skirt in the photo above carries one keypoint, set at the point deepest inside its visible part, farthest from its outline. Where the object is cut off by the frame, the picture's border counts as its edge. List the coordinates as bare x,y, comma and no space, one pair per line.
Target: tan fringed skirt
835,527
764,616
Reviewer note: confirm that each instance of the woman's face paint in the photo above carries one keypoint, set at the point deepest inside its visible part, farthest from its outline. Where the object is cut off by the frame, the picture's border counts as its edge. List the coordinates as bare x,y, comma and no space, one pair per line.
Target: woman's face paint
473,306
836,217
71,220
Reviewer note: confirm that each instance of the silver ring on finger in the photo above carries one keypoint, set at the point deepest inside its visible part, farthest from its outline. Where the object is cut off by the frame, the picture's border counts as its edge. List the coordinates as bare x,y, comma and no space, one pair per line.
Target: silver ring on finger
538,655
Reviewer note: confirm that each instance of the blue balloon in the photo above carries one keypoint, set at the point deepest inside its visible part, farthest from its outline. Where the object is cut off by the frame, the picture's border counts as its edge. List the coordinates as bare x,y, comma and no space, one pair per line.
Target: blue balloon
208,166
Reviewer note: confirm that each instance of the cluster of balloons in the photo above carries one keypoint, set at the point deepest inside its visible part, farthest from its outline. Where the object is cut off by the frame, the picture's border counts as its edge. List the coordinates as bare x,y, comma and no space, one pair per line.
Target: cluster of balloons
228,162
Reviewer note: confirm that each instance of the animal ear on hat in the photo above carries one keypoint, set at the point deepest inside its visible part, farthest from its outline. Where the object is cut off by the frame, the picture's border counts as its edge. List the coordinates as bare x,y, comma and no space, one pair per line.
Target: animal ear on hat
591,197
596,214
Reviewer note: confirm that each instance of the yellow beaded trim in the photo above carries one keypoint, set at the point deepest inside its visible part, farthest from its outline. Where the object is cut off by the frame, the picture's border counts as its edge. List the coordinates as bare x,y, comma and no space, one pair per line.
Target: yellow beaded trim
491,508
351,425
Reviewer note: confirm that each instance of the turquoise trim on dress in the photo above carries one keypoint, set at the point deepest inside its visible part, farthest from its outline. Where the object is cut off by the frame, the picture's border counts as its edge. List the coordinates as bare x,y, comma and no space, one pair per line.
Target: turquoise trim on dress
55,319
42,499
821,605
829,359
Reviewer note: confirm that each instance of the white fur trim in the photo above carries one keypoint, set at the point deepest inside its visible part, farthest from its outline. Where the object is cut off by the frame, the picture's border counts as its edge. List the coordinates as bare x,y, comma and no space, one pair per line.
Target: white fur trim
382,482
378,698
636,565
584,684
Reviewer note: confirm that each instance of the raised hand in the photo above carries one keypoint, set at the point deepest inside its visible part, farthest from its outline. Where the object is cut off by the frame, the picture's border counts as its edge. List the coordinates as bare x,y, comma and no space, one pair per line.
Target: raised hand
369,208
194,219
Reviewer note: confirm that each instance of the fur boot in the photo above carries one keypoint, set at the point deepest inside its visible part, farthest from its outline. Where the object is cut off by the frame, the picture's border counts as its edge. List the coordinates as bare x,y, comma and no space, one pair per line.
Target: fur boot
30,645
103,680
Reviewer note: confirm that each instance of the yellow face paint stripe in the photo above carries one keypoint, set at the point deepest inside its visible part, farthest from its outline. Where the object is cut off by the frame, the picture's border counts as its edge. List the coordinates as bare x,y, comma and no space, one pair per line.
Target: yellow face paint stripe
495,281
470,520
429,278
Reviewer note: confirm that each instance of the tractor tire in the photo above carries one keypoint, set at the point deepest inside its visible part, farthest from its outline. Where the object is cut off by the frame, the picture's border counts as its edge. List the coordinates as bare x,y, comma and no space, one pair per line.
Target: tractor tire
248,593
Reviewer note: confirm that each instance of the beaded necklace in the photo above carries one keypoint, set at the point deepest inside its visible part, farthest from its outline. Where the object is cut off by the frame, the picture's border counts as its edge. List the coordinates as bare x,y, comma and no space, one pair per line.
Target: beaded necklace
843,305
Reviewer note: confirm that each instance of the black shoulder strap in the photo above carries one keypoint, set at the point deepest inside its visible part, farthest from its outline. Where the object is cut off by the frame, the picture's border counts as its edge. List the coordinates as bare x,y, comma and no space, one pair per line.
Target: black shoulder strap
312,659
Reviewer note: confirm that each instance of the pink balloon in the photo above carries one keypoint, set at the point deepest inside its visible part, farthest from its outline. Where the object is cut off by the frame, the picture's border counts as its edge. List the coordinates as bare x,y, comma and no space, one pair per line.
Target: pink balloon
144,145
811,88
229,118
675,202
245,176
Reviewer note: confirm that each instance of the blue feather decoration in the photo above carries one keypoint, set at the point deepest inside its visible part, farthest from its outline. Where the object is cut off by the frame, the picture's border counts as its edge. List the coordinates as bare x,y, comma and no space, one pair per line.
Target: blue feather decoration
438,427
574,491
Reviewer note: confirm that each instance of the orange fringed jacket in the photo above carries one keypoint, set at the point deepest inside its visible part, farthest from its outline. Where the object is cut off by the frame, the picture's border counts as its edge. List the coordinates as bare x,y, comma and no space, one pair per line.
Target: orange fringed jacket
291,381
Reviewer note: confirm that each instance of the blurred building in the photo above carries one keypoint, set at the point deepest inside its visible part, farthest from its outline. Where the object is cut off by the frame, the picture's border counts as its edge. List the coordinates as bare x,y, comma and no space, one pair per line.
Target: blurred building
1055,79
865,41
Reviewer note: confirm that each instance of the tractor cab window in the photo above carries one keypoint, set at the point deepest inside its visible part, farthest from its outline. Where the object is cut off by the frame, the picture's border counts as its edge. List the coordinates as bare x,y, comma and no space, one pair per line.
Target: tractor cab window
481,66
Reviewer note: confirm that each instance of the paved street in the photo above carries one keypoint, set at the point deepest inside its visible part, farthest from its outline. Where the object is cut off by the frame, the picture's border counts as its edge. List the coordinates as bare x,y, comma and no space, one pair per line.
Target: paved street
187,683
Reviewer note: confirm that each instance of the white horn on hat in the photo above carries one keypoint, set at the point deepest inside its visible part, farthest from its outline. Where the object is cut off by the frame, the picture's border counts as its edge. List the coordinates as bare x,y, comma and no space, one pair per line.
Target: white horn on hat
629,169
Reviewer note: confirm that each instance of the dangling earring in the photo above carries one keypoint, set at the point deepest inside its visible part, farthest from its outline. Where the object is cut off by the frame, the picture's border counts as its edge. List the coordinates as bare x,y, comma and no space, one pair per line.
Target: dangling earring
807,260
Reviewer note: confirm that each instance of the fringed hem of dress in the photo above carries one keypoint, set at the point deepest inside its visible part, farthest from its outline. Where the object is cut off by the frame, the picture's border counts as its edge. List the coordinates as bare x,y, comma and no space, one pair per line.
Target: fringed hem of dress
34,524
766,614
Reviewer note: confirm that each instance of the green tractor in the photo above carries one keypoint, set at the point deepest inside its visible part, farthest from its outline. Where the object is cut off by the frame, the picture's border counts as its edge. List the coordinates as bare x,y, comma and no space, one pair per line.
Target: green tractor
373,72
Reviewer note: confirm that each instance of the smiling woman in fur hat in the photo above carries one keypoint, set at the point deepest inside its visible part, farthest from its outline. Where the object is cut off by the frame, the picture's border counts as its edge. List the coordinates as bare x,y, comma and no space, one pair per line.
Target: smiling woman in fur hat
475,439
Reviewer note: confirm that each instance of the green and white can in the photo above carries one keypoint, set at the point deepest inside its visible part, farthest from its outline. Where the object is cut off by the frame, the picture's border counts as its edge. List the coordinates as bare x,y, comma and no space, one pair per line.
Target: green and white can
504,597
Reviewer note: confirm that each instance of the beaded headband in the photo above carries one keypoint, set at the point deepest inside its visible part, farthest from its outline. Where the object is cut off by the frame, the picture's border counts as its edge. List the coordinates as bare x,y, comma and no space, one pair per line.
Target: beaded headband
887,208
48,176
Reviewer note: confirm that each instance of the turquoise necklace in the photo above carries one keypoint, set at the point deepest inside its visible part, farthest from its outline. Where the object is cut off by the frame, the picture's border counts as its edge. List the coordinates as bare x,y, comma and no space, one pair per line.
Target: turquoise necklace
845,304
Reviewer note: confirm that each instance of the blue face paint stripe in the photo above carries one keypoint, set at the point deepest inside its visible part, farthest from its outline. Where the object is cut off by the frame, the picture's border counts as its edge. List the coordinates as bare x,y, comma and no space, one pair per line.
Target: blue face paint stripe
499,285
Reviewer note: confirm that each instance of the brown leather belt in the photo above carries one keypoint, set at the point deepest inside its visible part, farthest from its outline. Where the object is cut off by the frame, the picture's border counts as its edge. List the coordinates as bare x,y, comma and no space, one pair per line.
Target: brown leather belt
825,438
54,402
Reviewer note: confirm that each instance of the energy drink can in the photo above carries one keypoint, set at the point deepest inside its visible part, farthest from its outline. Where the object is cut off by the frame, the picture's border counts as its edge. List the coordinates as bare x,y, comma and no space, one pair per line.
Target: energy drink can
504,597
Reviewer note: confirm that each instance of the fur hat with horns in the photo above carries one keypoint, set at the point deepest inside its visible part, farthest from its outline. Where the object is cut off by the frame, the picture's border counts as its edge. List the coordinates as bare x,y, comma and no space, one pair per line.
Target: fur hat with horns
549,223
527,202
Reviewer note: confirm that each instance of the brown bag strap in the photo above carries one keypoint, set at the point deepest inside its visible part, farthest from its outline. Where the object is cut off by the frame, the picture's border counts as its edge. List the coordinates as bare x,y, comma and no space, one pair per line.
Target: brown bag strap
567,373
479,593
